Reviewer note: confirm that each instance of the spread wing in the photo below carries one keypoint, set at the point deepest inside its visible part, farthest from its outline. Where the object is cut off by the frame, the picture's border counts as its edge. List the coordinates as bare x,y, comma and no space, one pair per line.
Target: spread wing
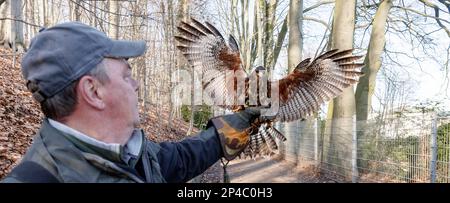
313,83
204,47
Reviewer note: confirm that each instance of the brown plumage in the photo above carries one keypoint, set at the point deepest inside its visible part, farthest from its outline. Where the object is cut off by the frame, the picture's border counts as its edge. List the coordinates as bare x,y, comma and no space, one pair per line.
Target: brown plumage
301,93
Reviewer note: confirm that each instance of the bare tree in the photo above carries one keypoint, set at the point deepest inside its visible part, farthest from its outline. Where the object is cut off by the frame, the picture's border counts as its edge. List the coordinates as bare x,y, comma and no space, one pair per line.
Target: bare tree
366,86
77,12
269,24
295,47
372,61
114,19
407,21
344,105
11,25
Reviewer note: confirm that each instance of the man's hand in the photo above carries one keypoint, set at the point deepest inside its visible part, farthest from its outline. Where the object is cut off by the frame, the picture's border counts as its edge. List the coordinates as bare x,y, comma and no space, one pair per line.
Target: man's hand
235,129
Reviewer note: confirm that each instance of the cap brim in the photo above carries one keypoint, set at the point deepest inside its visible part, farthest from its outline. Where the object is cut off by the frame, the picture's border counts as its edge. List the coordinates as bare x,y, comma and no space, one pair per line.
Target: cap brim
127,49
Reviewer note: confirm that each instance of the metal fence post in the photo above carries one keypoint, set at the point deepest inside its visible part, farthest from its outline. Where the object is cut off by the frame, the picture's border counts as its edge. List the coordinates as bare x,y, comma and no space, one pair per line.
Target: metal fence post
316,142
354,151
434,148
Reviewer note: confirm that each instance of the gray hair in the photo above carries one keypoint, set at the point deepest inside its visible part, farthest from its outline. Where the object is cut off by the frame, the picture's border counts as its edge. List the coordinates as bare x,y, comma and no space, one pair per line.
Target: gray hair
63,104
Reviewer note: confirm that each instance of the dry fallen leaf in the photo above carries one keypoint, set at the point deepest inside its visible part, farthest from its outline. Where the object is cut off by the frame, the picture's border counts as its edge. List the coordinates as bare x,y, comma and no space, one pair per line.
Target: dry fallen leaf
2,150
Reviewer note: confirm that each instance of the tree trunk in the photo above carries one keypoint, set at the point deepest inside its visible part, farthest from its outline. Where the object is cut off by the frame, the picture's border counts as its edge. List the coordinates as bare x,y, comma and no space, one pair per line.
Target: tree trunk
171,55
77,11
344,105
366,85
114,19
260,32
270,9
17,26
183,15
291,129
246,37
94,9
54,12
326,130
295,46
11,30
42,13
5,25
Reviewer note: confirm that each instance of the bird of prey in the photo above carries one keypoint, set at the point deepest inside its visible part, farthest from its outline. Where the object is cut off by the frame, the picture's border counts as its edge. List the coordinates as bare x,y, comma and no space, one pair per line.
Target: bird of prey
301,93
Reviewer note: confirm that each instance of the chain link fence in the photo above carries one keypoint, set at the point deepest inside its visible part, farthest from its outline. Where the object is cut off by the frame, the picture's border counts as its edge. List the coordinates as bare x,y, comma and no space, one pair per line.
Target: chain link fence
397,149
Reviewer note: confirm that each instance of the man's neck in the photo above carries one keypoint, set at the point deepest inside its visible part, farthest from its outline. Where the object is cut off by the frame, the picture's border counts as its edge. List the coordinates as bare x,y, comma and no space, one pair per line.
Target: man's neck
98,128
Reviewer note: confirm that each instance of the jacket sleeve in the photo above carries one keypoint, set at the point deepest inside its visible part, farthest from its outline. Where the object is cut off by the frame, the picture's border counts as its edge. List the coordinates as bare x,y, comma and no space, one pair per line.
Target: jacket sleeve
182,161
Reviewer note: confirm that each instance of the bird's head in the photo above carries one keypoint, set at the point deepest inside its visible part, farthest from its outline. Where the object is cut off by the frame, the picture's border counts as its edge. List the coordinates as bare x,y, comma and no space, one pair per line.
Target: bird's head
260,69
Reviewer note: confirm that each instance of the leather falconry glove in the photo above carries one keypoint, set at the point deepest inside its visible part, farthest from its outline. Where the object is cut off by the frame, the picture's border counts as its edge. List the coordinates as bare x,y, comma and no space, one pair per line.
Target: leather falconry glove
235,129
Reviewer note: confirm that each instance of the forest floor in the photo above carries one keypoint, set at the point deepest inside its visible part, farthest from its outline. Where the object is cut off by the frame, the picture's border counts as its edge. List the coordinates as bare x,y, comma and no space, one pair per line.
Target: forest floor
273,170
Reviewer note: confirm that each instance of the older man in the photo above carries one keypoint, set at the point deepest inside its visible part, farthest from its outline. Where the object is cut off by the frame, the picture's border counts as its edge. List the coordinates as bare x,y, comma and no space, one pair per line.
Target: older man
83,82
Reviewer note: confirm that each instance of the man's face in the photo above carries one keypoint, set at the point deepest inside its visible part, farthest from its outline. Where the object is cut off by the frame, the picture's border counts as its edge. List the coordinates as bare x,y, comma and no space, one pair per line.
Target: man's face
121,98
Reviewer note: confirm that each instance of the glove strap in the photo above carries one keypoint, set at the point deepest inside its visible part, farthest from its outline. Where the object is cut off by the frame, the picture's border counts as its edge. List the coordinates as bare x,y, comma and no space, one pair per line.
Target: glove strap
226,177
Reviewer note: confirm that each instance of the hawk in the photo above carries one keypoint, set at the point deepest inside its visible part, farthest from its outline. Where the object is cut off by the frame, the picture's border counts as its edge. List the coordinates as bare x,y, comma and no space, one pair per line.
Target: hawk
301,93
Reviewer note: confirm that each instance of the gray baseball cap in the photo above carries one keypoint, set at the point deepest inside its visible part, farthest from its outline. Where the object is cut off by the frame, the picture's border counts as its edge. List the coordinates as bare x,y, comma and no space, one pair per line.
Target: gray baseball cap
61,54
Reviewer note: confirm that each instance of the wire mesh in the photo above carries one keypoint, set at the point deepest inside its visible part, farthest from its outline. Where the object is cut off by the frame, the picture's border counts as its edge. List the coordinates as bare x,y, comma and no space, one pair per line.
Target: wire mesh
412,150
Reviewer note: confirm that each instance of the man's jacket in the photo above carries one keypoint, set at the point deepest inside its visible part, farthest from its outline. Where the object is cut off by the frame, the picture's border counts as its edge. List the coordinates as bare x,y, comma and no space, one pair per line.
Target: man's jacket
68,161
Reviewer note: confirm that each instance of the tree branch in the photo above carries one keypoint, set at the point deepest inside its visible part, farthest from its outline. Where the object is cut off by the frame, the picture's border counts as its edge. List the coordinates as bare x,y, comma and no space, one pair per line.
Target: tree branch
22,22
420,13
446,4
317,5
318,21
429,4
280,39
436,14
106,21
114,13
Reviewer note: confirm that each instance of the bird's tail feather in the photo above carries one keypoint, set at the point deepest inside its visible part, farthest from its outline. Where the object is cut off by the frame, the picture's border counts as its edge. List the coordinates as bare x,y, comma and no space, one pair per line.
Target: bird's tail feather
263,142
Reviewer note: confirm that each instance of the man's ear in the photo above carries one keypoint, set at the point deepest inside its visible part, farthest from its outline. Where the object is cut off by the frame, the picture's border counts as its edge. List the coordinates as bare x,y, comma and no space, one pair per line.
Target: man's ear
90,91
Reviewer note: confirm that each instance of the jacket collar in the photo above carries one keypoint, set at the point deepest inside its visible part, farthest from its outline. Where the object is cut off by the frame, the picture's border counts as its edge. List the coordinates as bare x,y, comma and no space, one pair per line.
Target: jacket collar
128,154
71,161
